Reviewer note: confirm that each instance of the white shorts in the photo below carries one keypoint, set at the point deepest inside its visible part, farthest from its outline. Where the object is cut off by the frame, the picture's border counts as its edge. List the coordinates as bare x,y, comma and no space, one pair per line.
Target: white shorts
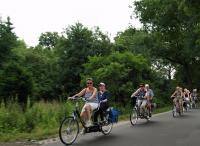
93,106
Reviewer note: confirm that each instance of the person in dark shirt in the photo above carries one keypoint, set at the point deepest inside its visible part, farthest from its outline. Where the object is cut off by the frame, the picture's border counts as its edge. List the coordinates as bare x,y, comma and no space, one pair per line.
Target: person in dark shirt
103,96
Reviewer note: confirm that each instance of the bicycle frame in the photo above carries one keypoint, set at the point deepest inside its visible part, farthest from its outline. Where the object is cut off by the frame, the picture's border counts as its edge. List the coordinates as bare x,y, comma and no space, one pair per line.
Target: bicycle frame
76,114
145,111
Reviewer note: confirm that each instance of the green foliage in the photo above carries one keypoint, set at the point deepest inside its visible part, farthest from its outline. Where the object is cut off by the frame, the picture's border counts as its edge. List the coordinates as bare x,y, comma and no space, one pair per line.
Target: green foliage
49,40
15,84
175,26
136,41
74,49
7,40
122,72
41,116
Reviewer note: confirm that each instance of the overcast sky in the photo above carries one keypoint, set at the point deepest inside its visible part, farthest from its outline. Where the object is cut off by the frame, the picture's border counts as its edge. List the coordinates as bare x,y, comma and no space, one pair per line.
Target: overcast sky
32,17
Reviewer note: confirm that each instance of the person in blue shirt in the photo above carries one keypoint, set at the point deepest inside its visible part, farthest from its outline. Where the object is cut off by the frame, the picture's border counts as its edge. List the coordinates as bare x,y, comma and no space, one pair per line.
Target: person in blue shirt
103,97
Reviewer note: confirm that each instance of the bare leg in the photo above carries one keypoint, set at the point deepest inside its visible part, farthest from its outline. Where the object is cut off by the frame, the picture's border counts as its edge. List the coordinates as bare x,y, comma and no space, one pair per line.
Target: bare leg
83,116
88,111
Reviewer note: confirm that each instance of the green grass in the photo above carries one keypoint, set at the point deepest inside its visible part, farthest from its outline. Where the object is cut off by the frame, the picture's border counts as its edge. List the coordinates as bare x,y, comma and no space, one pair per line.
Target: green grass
38,122
41,121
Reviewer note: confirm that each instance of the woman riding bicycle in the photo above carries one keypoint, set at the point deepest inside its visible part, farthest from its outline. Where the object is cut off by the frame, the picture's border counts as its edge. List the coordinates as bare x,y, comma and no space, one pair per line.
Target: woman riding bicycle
177,97
186,98
90,94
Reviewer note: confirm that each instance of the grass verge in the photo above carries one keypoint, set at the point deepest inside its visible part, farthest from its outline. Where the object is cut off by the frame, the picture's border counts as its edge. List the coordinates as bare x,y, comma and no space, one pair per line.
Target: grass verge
40,133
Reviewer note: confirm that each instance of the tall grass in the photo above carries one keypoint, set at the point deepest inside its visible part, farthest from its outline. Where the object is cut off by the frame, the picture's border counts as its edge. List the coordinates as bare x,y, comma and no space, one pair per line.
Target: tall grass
42,119
39,120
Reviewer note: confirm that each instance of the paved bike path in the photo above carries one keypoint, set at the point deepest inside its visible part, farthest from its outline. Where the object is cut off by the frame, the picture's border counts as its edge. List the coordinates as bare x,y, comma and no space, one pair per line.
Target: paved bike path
161,130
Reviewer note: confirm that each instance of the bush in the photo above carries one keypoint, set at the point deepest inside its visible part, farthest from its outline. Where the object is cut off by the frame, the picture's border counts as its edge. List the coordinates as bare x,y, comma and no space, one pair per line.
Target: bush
38,118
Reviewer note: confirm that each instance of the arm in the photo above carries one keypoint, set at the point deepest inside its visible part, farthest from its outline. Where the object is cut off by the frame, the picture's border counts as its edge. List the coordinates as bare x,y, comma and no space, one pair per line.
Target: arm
107,96
81,93
135,93
152,94
173,94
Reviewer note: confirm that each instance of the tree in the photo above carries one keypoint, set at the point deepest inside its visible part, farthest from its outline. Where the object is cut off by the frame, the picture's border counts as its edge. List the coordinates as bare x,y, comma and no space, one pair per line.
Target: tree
7,40
136,41
49,39
175,25
77,43
15,84
122,72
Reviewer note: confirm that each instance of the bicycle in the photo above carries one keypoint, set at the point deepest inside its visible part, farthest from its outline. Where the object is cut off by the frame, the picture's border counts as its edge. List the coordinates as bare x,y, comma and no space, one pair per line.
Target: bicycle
136,114
176,108
194,102
69,128
186,104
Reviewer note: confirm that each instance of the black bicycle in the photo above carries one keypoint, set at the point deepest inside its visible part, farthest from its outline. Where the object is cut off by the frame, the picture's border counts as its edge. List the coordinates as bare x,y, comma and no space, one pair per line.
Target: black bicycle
69,128
136,114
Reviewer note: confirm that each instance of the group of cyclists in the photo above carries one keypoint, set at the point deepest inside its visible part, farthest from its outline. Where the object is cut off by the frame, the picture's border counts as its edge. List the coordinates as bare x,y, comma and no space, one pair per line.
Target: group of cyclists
184,99
97,99
95,114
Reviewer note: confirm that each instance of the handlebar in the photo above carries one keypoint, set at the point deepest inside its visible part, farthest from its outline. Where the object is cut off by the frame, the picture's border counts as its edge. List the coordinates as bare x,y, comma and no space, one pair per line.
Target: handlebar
138,97
76,98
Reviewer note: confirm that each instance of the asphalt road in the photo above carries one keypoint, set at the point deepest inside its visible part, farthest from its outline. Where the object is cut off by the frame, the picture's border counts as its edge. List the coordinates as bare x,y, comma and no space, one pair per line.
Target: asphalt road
161,130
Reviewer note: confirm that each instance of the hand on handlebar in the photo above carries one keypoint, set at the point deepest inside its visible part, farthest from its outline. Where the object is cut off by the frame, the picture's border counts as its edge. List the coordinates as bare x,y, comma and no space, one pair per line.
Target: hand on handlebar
73,97
70,98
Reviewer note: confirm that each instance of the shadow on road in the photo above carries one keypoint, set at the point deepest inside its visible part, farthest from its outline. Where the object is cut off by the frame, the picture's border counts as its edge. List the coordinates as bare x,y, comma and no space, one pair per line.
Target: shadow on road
185,116
101,139
144,123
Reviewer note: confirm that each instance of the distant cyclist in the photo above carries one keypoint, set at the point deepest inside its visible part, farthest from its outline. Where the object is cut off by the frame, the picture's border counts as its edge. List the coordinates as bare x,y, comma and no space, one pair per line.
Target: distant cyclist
194,96
177,97
186,97
149,95
139,95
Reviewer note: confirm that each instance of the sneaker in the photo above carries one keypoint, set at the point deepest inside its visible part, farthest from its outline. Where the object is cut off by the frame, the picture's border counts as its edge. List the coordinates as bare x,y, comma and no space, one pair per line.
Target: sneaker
82,131
88,124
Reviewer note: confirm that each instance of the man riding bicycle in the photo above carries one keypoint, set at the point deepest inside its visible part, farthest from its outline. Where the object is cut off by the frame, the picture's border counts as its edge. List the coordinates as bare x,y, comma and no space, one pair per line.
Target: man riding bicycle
139,95
149,95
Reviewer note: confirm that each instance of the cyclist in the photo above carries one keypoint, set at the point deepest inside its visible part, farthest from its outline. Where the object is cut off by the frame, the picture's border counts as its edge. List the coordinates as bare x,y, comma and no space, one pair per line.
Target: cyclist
103,96
90,94
194,96
186,97
139,95
177,97
149,95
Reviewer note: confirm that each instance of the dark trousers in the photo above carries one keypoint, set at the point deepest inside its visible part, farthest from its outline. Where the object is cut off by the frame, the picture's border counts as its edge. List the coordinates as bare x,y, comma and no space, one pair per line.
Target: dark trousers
102,108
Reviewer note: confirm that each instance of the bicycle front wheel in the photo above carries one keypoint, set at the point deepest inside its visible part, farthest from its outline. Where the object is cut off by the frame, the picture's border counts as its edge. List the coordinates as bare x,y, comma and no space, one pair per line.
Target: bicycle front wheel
69,130
133,117
174,111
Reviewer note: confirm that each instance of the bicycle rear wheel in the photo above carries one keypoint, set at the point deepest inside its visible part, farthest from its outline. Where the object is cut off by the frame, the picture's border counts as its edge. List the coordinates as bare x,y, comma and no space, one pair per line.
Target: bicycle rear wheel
133,117
107,126
69,130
